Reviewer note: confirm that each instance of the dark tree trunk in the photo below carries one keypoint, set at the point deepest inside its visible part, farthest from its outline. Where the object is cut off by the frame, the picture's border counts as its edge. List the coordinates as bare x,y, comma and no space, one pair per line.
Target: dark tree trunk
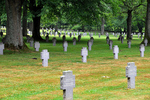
102,26
82,28
129,21
24,31
147,24
14,38
36,29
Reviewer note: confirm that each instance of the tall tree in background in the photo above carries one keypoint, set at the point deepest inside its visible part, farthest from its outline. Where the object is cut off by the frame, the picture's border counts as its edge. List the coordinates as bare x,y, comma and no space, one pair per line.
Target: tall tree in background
147,24
14,38
2,5
24,24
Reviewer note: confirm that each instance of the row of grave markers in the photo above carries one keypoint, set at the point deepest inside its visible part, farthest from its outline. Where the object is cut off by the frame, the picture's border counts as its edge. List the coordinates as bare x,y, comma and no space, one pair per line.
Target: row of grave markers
67,80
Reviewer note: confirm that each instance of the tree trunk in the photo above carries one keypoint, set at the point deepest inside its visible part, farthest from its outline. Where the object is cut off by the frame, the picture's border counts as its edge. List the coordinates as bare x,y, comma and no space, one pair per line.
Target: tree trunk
36,29
14,38
147,24
129,21
24,31
102,26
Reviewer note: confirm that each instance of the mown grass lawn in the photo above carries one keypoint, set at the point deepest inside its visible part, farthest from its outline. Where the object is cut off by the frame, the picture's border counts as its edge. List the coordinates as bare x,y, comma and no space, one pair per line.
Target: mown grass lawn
101,78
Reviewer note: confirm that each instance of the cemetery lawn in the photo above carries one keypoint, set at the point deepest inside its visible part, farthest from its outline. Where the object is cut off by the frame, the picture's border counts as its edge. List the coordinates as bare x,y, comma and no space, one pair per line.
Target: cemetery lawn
22,76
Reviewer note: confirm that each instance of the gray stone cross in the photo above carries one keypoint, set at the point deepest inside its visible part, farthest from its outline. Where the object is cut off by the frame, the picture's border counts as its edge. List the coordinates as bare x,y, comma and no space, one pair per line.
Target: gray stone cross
1,48
142,49
84,54
115,51
67,83
65,45
131,72
45,57
37,45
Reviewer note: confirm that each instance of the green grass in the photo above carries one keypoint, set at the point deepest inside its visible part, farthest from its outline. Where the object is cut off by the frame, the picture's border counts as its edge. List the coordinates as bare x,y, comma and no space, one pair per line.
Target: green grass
101,78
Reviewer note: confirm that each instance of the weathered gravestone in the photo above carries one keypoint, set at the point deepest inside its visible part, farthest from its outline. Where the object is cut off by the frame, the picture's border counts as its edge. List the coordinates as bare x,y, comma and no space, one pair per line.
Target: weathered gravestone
131,72
45,57
47,38
84,54
37,45
54,41
145,41
1,48
28,38
89,43
122,39
31,42
64,37
65,45
67,83
142,49
115,51
107,39
99,35
79,37
110,44
74,41
92,39
129,43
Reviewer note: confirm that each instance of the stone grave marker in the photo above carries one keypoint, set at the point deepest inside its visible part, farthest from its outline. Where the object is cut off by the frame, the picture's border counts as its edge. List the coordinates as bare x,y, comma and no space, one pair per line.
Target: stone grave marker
129,43
142,49
107,39
47,38
79,37
37,45
31,42
65,45
84,54
110,44
45,57
89,43
122,39
67,83
64,37
99,35
54,41
1,48
74,41
131,72
92,39
145,41
115,51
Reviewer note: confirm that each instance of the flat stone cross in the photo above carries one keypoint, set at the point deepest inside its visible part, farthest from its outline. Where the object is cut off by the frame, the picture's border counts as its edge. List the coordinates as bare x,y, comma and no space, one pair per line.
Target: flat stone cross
84,54
131,72
45,57
67,83
37,45
142,49
1,48
115,51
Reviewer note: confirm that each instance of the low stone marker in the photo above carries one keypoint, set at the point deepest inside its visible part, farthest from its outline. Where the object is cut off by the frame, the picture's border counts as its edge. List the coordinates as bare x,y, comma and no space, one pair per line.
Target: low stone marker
37,45
115,51
65,45
89,43
74,41
129,43
54,41
107,39
47,38
45,57
131,72
1,48
145,41
142,49
67,83
64,37
79,37
84,54
31,42
110,44
122,39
